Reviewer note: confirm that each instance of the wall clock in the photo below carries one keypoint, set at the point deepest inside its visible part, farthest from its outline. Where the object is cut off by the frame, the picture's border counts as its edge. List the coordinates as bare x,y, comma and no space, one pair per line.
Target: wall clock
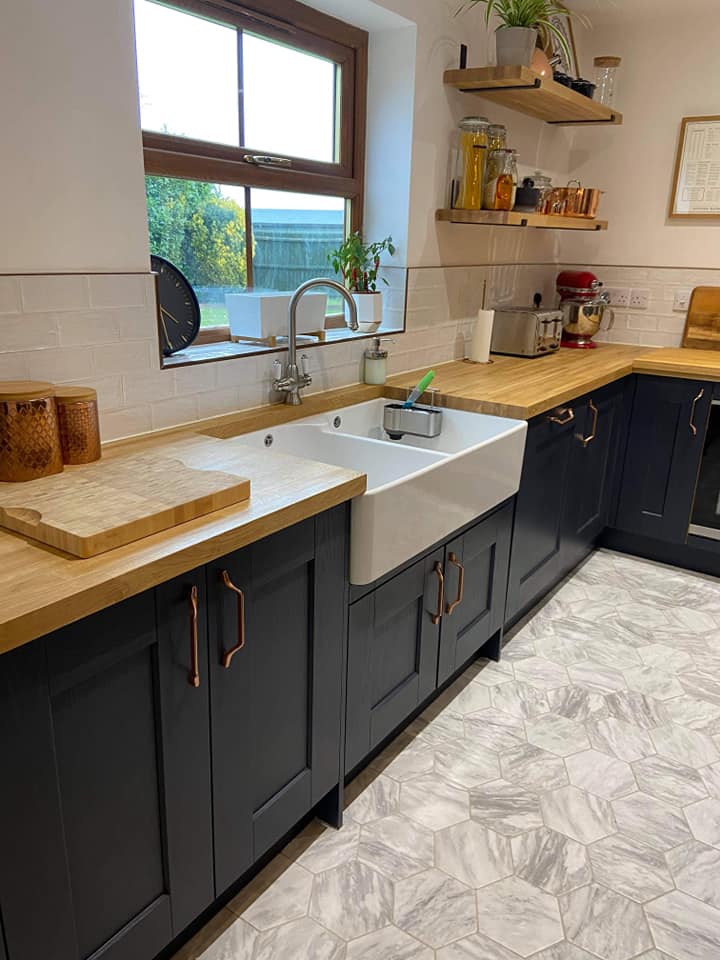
178,307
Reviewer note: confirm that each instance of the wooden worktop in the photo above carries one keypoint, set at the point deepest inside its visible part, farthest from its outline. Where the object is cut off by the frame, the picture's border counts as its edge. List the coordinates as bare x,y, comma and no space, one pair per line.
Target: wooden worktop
520,387
681,362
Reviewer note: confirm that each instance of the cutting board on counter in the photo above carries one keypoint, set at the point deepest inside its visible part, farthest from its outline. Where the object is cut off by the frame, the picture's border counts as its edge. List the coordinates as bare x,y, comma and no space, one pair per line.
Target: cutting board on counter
90,509
702,327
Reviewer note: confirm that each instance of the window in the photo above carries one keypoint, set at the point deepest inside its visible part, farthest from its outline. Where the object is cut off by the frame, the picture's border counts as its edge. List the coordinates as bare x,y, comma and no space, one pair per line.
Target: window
253,132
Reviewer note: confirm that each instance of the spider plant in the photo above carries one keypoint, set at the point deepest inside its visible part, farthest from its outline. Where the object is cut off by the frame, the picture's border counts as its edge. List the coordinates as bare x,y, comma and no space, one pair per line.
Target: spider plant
535,14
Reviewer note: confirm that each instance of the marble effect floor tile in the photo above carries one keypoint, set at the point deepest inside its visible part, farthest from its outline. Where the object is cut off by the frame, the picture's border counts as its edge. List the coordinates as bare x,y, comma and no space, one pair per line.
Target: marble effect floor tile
605,923
476,947
533,768
377,800
519,916
463,764
636,708
519,699
287,899
684,746
696,870
631,868
493,730
669,781
473,854
471,698
390,943
396,846
557,735
578,703
600,774
541,673
301,938
596,676
684,928
711,778
551,861
433,803
356,884
692,712
577,814
506,808
620,739
435,908
704,820
650,821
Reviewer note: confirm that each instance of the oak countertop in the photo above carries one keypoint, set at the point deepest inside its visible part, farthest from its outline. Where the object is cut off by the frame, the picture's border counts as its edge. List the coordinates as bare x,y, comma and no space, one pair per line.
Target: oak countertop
42,589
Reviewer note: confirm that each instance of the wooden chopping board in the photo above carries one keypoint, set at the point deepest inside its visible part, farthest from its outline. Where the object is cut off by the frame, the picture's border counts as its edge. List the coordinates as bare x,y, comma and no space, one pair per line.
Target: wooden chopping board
702,327
90,509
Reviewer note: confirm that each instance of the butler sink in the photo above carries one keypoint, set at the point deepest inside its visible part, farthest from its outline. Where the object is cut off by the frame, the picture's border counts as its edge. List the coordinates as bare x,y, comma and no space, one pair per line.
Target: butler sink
419,490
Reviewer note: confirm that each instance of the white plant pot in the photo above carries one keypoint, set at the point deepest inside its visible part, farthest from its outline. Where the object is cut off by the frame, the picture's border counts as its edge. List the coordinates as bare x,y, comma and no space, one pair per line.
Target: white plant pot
515,46
370,310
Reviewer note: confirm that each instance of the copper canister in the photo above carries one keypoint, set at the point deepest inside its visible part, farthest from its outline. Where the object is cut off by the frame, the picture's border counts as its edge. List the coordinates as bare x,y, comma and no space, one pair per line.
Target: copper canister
79,424
29,431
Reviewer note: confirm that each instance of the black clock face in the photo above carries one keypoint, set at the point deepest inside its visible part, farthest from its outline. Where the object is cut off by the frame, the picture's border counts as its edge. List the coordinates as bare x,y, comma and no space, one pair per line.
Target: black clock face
178,307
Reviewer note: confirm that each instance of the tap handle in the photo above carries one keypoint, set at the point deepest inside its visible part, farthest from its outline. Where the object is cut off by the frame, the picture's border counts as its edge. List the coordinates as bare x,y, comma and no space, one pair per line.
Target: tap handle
277,369
305,365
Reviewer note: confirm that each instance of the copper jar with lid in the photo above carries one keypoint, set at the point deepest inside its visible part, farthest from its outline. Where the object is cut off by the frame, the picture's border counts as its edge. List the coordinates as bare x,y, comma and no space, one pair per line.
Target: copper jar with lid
29,431
79,424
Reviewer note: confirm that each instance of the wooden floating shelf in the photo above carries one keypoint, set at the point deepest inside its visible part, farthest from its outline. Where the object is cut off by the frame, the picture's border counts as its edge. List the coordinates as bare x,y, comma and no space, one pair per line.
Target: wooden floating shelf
520,88
516,218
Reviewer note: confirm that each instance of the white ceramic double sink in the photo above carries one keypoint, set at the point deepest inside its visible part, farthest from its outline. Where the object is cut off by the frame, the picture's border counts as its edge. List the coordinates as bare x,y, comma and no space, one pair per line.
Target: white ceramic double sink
419,490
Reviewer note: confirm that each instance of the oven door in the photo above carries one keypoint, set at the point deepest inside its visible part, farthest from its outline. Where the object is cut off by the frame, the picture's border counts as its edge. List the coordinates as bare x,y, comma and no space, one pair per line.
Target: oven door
706,511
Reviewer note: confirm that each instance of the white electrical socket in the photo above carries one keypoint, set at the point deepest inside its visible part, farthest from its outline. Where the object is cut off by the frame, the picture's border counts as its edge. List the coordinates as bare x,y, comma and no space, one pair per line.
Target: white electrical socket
619,296
639,299
681,300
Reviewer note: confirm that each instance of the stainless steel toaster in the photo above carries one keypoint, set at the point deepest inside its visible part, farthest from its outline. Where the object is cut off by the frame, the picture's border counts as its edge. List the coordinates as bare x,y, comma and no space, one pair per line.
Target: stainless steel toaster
526,332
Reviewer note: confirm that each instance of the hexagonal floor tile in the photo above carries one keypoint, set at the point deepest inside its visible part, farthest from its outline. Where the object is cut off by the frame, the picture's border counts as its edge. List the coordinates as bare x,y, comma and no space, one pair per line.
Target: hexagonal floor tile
490,672
683,927
711,778
605,923
696,868
301,938
551,860
386,943
435,908
462,764
377,800
505,807
519,916
557,735
561,648
620,739
577,814
653,683
650,821
692,711
415,760
493,730
519,699
630,868
533,768
476,947
683,745
600,774
565,951
236,941
438,728
577,703
637,708
396,846
370,894
286,899
669,781
596,676
704,820
472,697
433,802
666,658
472,854
541,673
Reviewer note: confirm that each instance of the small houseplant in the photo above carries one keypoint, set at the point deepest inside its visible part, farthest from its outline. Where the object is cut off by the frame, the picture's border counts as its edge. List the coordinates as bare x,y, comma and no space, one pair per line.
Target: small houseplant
521,21
358,263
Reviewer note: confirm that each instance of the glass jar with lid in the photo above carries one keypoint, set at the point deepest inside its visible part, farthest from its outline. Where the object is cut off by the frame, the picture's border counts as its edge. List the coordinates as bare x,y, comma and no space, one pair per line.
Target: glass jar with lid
497,137
606,69
472,157
543,184
501,180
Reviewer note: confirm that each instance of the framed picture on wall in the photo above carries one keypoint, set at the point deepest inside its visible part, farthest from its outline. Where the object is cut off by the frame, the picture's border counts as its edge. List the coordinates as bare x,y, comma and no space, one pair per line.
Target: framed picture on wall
696,181
553,49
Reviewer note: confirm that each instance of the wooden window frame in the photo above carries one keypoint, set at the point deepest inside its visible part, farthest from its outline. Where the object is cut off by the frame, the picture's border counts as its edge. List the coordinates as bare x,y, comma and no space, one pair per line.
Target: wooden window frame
307,29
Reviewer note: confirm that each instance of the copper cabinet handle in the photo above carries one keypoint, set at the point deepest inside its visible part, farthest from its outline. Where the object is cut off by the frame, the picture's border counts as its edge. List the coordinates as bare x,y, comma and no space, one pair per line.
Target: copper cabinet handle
435,619
194,675
461,584
593,433
698,398
569,415
229,654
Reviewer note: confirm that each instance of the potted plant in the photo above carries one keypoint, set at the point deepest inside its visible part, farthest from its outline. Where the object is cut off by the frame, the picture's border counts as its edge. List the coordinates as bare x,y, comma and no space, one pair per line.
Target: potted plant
358,264
520,23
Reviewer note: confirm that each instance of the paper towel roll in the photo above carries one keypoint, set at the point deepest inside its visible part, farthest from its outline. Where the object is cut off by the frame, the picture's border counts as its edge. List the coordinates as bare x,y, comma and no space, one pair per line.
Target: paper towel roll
481,337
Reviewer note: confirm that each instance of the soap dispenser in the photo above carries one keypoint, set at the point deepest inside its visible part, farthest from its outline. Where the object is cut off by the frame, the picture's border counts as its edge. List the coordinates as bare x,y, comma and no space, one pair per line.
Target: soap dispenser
376,361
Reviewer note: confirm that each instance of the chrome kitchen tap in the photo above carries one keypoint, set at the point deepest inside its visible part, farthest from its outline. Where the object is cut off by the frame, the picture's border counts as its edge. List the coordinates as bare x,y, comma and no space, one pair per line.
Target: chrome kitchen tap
293,380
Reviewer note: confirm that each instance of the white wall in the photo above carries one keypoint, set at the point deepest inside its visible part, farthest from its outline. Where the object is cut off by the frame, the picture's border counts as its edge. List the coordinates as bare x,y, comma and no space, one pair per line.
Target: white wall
670,69
71,191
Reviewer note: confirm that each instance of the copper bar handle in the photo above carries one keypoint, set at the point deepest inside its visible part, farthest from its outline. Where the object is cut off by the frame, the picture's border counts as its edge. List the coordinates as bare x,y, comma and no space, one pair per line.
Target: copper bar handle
194,675
593,432
435,619
568,414
461,584
698,398
229,654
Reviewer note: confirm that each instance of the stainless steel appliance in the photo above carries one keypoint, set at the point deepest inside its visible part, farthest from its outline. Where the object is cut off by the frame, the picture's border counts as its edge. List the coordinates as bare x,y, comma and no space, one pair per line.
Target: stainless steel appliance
526,332
706,510
584,306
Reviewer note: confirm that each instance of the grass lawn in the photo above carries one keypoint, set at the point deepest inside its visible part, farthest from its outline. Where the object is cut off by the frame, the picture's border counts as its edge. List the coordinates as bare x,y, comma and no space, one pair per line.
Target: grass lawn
213,315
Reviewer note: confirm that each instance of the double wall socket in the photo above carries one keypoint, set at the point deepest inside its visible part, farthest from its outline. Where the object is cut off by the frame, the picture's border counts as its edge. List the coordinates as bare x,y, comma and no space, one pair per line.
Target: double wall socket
636,299
639,298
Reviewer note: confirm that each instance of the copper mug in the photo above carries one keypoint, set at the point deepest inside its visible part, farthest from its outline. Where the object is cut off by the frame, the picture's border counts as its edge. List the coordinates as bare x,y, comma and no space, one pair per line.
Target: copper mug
29,431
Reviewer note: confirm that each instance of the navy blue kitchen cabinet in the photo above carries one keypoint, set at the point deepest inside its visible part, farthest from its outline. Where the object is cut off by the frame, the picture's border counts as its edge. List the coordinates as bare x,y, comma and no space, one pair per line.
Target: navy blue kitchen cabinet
665,444
277,635
106,808
414,630
567,491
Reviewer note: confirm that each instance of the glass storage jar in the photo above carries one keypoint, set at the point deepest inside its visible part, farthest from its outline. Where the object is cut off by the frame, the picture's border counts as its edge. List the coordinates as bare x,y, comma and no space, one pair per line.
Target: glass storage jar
497,137
472,157
501,180
606,69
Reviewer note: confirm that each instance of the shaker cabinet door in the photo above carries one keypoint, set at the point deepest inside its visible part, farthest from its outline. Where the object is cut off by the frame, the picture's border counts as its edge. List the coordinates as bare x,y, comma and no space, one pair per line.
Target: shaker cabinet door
665,443
104,743
476,571
392,654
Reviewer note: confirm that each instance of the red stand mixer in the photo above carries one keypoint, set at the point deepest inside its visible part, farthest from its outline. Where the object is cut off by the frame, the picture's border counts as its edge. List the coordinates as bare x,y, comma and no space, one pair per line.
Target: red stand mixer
583,307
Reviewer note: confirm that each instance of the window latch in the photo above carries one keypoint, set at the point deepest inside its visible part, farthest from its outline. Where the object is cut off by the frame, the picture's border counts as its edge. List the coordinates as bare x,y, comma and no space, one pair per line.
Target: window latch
261,160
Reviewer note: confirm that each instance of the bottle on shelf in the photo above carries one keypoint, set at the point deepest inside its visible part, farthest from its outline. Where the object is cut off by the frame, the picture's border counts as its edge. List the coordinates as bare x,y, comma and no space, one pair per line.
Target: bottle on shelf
471,160
501,180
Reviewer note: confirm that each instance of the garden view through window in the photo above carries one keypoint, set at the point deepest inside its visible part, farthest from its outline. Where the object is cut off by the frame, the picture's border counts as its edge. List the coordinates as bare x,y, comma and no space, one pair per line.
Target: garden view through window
213,93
